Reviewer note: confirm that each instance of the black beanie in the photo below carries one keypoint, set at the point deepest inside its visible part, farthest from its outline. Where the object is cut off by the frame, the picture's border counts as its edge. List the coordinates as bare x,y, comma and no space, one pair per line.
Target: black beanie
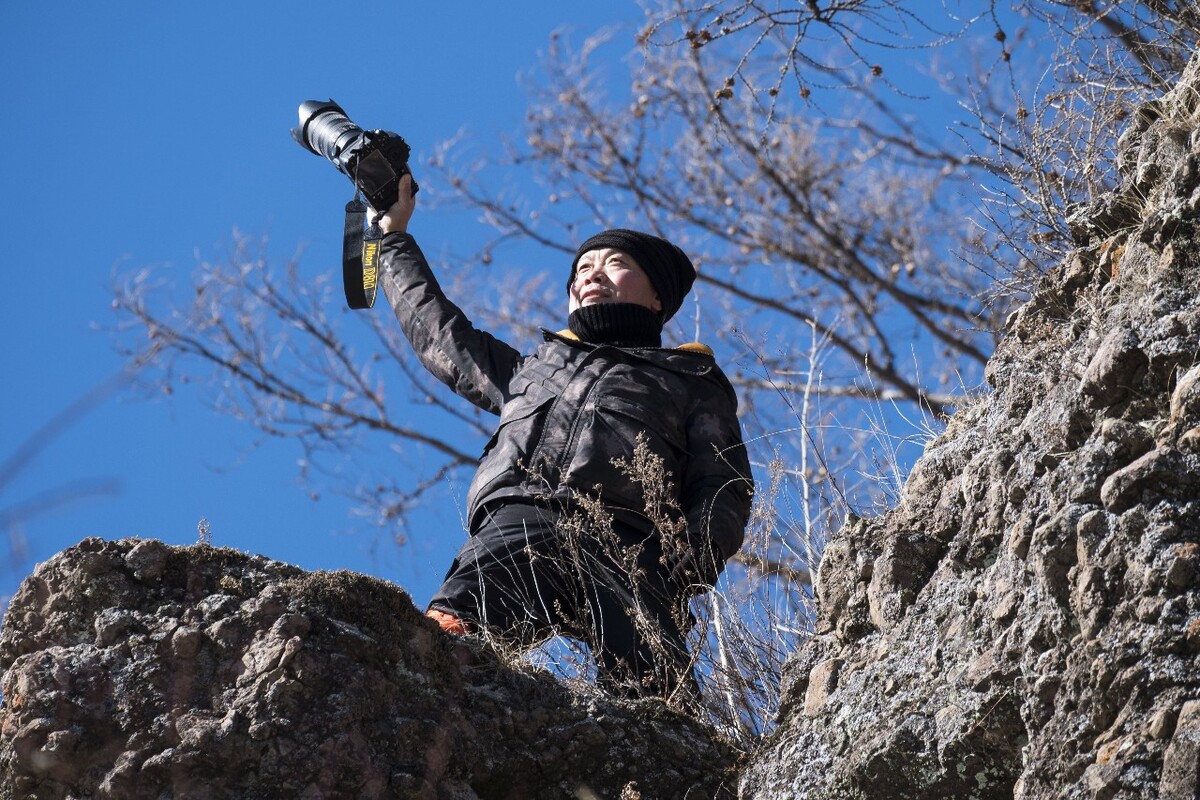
670,271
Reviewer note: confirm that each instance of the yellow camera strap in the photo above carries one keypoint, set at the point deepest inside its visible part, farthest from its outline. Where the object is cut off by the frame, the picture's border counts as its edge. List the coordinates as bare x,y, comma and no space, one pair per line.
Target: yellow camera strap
360,256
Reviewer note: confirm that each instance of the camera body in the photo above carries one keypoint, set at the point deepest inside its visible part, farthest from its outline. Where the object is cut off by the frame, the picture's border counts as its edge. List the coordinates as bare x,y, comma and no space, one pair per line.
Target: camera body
372,160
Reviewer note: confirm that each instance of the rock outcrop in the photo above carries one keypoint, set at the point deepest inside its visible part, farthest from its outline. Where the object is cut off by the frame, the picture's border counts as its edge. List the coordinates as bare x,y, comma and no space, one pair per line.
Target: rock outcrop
1026,624
137,670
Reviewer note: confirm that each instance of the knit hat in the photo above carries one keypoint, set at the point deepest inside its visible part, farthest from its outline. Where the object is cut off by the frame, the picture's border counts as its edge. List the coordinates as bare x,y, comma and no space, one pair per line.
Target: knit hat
670,271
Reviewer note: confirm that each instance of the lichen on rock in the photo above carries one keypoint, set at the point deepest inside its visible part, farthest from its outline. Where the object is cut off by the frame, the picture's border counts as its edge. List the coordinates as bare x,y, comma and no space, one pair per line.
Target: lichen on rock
137,670
1026,624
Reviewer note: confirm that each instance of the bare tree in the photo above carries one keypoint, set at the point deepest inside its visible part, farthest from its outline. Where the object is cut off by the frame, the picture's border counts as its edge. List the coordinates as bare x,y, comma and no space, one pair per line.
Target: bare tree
273,352
804,153
865,189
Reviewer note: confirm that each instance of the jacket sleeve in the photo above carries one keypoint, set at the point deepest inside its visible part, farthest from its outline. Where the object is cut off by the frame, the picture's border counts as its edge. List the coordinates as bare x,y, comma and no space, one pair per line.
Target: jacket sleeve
718,488
475,364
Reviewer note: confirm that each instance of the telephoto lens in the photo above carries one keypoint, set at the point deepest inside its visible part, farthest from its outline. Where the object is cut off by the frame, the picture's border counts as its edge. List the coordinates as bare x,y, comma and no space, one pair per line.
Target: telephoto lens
372,160
326,130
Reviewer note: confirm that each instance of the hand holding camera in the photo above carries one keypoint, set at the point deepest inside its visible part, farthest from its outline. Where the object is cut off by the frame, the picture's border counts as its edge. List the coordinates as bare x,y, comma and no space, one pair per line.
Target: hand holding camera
372,160
395,219
376,162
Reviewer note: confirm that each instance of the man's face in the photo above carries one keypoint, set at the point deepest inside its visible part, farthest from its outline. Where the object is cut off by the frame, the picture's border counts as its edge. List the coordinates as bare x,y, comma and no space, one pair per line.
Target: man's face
606,275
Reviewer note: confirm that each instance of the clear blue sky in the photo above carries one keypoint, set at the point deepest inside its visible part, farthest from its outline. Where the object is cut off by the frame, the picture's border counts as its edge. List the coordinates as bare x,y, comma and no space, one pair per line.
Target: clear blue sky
144,133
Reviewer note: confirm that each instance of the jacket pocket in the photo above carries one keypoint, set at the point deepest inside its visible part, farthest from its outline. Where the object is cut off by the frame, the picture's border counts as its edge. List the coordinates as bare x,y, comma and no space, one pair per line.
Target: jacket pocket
606,452
629,418
506,455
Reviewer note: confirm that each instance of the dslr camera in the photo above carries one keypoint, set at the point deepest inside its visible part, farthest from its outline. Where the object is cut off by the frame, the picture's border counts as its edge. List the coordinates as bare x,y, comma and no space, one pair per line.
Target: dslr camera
374,162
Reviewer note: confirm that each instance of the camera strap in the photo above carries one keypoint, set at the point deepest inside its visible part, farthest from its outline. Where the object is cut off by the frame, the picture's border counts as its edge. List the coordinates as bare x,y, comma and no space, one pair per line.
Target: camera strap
360,255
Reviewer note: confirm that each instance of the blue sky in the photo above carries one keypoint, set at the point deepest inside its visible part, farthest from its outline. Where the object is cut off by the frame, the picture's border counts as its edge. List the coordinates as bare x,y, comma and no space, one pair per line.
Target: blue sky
145,133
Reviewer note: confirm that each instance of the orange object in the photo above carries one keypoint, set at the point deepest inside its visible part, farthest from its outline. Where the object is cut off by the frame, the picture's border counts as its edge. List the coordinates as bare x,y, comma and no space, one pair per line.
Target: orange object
447,621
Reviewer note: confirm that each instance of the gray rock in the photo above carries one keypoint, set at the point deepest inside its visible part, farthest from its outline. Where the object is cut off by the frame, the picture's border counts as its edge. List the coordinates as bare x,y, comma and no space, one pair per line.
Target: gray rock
1030,626
1181,764
138,670
1116,367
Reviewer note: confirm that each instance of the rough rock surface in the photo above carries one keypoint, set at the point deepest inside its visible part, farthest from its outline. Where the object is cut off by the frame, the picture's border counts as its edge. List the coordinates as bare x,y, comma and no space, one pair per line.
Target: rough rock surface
1027,622
137,670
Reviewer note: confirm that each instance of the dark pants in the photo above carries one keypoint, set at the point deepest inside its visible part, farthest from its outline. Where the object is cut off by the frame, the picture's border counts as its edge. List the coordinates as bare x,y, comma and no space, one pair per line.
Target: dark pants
527,573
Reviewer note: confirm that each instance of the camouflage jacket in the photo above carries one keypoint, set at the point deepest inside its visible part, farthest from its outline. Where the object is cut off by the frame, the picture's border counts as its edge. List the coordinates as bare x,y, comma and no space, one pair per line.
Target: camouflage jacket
571,412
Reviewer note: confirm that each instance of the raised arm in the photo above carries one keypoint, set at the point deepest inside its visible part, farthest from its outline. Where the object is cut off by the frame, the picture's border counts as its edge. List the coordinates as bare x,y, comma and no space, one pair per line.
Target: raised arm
475,364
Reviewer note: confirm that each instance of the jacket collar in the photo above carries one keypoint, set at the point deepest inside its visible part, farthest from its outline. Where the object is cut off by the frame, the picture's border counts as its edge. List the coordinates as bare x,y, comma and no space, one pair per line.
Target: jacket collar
567,335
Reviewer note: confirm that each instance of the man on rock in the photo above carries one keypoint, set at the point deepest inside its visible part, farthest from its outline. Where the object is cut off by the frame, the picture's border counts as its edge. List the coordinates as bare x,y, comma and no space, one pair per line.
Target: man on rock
616,485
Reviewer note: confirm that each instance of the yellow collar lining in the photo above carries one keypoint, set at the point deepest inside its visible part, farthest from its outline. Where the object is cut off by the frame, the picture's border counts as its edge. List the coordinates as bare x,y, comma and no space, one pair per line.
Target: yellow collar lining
690,347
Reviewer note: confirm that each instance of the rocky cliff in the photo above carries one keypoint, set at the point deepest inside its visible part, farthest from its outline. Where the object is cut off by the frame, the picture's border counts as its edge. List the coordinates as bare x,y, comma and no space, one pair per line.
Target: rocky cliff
137,670
1027,622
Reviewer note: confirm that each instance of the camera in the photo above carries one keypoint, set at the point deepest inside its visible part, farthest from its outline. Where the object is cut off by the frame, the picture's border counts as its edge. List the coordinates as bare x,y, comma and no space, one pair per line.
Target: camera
372,160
